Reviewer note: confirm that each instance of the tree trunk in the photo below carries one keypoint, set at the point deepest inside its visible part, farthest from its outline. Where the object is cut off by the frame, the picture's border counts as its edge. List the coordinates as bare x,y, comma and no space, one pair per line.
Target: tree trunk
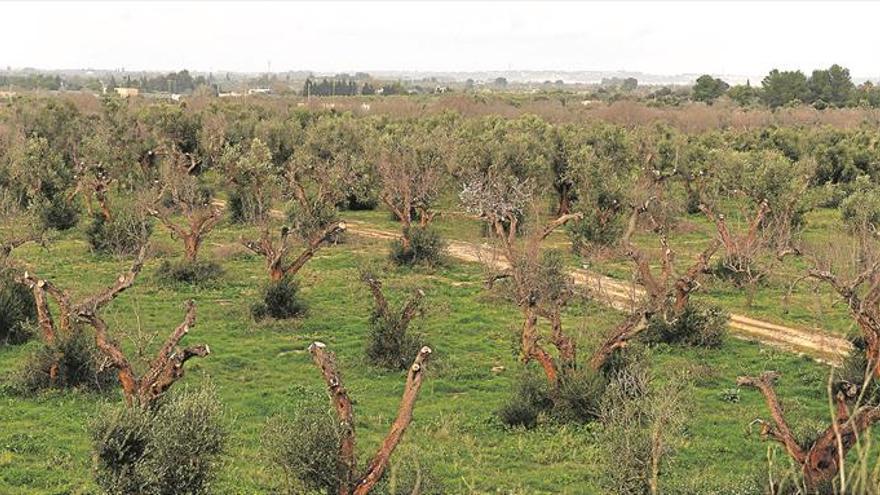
191,244
531,349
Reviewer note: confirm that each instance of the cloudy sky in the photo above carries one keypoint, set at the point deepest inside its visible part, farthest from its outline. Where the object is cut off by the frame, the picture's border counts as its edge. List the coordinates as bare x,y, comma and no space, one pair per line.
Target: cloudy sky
745,38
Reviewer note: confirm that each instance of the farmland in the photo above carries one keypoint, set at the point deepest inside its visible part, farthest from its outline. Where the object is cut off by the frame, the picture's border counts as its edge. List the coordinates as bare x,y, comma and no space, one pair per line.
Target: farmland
473,221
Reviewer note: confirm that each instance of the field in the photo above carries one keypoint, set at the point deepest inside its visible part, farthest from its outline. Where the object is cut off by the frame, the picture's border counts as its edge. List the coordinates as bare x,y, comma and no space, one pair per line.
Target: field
260,369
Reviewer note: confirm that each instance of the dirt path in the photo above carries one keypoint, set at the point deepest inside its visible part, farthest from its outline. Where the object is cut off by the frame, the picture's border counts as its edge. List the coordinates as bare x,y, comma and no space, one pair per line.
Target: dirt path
815,343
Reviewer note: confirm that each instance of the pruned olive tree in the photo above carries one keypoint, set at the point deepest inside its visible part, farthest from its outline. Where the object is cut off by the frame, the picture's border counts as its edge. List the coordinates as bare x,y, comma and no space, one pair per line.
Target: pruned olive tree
541,288
352,481
411,171
184,195
854,274
64,329
315,180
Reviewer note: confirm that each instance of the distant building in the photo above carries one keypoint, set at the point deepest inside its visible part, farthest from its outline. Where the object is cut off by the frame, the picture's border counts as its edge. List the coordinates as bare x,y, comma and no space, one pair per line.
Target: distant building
7,94
231,94
259,91
127,92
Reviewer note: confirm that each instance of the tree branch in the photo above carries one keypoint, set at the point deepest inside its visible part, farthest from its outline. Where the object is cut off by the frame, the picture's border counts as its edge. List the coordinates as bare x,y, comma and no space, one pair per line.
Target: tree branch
379,462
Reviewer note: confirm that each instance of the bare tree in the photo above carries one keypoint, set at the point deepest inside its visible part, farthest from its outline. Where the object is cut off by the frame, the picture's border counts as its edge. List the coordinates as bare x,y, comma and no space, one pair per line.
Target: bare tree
539,293
190,200
821,460
164,369
352,483
666,295
276,251
71,312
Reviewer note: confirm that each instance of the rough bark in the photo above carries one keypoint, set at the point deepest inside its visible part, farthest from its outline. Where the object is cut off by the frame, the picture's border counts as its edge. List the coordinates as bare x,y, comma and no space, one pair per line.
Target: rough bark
200,221
164,370
350,482
69,312
820,460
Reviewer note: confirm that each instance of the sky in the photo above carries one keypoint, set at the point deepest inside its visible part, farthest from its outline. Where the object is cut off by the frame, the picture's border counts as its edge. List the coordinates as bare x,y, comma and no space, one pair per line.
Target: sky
743,38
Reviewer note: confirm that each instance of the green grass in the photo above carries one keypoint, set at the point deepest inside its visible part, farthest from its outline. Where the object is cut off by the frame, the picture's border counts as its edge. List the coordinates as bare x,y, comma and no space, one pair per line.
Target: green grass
259,368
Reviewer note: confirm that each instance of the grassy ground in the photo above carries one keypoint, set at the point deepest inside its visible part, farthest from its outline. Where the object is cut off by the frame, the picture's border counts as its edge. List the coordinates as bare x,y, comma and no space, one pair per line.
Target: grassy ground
259,368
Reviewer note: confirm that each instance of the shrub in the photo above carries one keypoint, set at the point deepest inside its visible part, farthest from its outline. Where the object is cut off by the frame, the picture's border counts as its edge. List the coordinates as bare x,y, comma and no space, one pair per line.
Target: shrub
306,449
361,202
426,247
578,396
172,449
123,234
78,366
529,399
591,230
17,308
576,399
244,207
699,325
391,343
57,213
183,271
280,299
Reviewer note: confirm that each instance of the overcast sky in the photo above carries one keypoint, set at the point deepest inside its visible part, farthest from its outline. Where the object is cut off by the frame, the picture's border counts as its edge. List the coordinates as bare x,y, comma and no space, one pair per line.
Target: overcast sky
745,38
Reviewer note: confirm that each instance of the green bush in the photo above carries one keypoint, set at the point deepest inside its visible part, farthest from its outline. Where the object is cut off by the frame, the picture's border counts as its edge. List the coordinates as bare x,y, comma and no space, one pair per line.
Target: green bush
123,234
305,448
244,207
279,300
172,449
426,247
17,308
592,231
699,325
57,213
529,399
187,272
78,366
578,395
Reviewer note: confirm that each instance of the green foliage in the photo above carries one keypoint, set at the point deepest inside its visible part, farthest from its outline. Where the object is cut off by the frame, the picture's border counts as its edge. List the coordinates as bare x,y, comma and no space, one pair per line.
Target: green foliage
74,361
426,247
784,87
699,325
708,89
860,211
575,400
189,272
530,397
254,178
391,343
57,213
305,448
125,233
280,300
169,450
833,86
17,309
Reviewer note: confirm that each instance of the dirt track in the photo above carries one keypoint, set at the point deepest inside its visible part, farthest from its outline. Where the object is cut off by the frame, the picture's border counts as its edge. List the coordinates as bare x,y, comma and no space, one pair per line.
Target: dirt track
815,343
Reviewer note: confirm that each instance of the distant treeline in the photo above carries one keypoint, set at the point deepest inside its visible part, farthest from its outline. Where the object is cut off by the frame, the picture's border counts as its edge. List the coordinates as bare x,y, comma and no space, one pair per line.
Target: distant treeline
823,88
